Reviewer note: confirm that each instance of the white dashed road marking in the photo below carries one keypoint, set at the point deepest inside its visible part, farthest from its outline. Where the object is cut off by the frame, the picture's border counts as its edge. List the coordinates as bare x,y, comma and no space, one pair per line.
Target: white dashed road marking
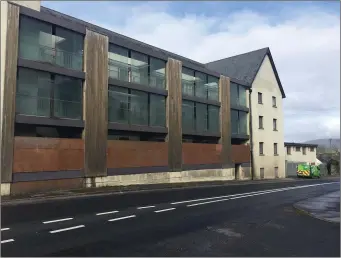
4,229
170,209
105,213
146,207
66,229
57,220
121,218
7,241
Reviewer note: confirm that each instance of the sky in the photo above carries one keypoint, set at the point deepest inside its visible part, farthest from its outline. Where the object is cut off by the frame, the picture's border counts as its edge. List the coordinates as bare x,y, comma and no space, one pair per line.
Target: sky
304,39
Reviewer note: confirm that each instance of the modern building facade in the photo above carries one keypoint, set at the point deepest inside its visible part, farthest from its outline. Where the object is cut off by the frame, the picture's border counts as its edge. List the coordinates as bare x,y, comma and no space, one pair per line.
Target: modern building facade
82,106
297,153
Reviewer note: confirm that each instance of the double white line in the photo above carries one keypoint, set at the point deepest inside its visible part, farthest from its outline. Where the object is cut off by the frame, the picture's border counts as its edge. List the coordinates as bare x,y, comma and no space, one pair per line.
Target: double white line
242,195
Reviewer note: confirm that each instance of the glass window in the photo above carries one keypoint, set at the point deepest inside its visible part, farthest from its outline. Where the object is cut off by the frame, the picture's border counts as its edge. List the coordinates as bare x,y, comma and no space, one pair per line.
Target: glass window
200,85
138,107
33,93
242,96
187,81
69,49
35,40
157,110
234,122
139,68
118,104
304,150
201,117
157,73
234,94
289,150
213,88
213,119
312,149
274,104
275,149
187,116
243,122
260,122
260,98
118,63
261,148
298,148
67,97
274,123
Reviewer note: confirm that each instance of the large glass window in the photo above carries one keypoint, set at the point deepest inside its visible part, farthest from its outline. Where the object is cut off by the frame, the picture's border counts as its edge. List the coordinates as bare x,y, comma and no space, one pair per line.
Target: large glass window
45,42
138,107
139,68
188,116
201,117
67,96
118,105
234,122
44,94
213,88
69,49
243,122
118,65
157,73
238,95
157,110
213,119
200,85
188,81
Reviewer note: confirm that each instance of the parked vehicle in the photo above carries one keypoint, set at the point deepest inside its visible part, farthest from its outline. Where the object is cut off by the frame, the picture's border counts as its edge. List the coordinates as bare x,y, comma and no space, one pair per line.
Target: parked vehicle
308,170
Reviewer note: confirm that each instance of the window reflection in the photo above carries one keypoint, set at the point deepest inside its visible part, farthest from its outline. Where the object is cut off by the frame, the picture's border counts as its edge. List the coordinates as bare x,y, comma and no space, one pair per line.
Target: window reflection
188,124
157,73
213,88
188,80
118,65
139,68
200,85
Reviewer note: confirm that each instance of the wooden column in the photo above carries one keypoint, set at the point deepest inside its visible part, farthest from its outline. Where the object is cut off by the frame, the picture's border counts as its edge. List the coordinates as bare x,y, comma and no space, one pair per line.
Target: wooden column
8,91
174,114
225,121
95,104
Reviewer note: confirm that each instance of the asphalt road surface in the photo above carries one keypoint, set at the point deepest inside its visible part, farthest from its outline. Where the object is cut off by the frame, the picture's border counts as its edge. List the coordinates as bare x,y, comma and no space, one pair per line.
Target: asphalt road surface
236,220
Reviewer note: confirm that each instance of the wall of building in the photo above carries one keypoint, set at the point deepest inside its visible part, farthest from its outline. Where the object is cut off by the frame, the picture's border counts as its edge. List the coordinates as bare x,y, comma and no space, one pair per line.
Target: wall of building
266,83
297,157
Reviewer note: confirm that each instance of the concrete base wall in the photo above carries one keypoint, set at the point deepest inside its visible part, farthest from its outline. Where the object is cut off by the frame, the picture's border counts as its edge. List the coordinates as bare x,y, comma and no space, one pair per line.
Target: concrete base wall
5,189
163,177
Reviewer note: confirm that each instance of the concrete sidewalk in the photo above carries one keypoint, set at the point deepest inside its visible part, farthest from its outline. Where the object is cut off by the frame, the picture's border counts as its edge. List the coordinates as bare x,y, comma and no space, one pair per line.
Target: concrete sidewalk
325,207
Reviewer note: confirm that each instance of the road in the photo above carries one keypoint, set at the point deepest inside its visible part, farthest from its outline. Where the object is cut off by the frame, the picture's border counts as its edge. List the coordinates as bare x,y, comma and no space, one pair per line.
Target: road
237,220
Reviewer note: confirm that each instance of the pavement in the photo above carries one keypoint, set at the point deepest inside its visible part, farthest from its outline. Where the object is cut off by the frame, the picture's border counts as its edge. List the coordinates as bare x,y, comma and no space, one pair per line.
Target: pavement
227,220
325,207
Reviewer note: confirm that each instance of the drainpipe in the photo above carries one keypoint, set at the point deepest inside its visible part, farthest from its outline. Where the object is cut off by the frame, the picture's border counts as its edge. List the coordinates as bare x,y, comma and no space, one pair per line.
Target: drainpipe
251,139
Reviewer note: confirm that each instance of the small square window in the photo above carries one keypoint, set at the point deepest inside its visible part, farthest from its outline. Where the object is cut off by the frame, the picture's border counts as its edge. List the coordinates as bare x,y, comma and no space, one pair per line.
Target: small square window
260,120
260,98
289,150
261,148
298,149
312,149
274,102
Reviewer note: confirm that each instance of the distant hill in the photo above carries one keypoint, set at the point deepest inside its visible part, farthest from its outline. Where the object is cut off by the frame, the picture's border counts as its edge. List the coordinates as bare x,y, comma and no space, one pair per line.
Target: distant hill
325,142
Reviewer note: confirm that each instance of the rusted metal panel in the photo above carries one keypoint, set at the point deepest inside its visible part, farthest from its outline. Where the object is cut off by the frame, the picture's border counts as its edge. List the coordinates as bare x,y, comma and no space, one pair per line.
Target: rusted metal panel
9,91
225,120
95,103
174,114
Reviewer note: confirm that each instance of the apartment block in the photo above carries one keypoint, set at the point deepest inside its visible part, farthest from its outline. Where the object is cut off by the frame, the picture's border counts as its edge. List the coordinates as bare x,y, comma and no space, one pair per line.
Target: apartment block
82,106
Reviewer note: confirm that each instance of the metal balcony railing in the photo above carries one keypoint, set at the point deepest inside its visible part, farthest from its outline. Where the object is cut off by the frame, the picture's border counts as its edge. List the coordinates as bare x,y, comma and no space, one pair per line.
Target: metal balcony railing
66,59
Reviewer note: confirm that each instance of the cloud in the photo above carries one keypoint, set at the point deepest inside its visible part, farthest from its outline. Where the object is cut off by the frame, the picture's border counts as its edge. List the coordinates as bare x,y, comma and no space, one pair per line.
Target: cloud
305,43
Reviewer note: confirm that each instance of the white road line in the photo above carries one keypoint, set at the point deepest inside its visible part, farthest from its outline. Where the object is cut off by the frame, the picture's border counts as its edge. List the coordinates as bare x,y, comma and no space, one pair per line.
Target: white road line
7,241
259,193
66,229
170,209
121,218
57,220
146,207
4,229
104,213
240,194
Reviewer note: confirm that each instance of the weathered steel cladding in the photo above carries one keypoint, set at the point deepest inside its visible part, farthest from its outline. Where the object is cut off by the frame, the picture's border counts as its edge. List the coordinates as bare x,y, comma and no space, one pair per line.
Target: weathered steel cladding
95,103
10,83
174,114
